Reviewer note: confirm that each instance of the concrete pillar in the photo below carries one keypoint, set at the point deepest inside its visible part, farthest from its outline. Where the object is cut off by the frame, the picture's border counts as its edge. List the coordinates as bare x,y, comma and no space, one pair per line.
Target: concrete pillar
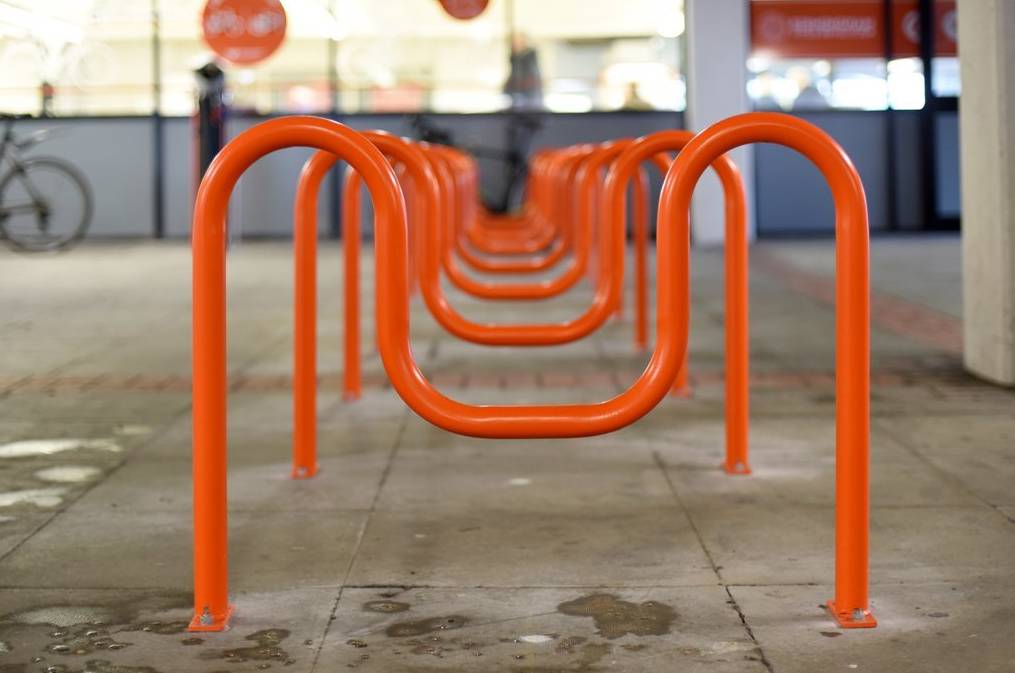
987,127
718,43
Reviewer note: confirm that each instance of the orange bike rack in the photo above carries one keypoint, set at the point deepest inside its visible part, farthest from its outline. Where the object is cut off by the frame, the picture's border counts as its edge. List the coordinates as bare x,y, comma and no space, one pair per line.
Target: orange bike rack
457,207
543,204
528,421
429,193
548,166
850,606
654,146
421,181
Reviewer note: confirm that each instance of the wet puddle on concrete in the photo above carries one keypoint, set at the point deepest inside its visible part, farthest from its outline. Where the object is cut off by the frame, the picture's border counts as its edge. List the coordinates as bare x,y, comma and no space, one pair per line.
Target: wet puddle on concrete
425,626
40,497
464,641
267,648
68,474
49,447
46,474
385,606
114,638
615,617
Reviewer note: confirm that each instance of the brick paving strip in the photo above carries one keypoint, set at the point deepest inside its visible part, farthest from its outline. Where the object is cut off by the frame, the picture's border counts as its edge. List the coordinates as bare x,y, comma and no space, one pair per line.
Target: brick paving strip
332,382
888,312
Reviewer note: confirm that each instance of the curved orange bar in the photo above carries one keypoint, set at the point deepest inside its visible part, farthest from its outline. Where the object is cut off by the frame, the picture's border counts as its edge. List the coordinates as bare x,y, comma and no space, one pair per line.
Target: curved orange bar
209,342
640,217
209,320
510,291
416,168
850,607
539,334
514,235
544,169
655,146
352,384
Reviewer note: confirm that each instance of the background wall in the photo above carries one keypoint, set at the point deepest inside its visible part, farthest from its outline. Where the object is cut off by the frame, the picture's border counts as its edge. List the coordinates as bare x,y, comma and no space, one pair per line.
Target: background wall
791,195
116,154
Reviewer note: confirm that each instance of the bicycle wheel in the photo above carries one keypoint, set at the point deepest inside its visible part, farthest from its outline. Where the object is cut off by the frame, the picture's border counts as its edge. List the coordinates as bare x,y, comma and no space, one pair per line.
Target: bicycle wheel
46,205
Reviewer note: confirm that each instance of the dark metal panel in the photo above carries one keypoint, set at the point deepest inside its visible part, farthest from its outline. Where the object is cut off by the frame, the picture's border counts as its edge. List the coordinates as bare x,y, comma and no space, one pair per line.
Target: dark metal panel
792,196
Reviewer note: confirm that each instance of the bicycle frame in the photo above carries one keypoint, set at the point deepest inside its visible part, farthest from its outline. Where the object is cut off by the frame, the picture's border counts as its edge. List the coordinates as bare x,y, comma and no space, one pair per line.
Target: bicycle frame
9,153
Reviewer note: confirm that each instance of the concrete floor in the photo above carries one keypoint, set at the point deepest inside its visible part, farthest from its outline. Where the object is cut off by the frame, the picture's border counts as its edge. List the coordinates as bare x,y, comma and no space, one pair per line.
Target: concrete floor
416,550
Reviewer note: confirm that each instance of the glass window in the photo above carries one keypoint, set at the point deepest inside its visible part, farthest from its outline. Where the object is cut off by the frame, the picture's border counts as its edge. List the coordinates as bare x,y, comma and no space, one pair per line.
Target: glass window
406,57
817,83
68,57
604,56
97,57
565,55
817,54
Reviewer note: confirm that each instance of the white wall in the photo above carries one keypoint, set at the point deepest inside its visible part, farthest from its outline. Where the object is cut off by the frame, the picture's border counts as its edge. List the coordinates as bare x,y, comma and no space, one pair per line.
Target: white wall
718,44
987,128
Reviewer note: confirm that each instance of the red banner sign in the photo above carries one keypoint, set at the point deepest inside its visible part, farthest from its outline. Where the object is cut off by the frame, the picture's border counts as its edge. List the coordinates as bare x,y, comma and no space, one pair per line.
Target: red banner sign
846,28
464,9
244,31
906,28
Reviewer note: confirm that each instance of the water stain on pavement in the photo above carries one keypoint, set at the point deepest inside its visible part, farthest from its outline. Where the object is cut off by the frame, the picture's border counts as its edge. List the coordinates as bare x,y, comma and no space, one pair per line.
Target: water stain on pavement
424,626
615,617
104,666
268,648
48,447
161,628
83,640
567,645
105,615
385,606
589,656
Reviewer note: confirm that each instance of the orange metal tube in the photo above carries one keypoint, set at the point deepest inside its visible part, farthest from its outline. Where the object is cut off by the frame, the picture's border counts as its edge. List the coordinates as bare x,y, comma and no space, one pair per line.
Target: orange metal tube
640,216
558,250
654,147
508,291
551,185
850,606
540,174
525,236
305,319
524,334
352,379
211,608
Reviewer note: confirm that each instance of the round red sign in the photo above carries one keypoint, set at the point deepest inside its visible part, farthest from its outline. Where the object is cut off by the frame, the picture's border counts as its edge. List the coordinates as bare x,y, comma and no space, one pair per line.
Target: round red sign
244,31
464,9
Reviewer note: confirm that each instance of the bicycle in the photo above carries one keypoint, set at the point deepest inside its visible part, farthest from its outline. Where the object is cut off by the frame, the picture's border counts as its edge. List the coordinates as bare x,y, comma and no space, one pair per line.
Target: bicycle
521,131
45,203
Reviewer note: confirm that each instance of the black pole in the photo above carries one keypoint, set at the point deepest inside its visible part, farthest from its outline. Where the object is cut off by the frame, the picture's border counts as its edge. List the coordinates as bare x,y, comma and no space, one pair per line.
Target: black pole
158,149
337,174
891,177
928,116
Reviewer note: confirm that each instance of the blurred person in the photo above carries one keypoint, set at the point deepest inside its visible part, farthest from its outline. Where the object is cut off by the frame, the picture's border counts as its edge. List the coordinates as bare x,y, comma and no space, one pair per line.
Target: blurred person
632,101
524,83
46,91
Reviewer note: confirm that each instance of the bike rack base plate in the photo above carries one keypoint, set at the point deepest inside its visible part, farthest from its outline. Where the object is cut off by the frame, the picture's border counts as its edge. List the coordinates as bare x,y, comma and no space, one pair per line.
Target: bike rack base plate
739,468
305,473
846,620
197,625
